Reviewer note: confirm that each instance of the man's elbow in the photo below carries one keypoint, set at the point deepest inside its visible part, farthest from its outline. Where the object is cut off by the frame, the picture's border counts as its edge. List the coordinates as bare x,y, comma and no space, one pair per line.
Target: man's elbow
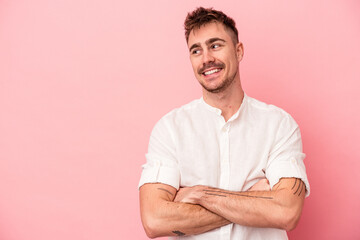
150,232
290,219
151,227
291,209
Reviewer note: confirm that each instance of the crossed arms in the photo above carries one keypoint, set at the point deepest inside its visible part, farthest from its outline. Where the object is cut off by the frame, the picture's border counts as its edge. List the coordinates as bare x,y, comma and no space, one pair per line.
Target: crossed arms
198,209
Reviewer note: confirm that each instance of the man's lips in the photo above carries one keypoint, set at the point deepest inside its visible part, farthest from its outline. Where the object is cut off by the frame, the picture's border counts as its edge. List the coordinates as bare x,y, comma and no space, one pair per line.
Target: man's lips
211,68
211,71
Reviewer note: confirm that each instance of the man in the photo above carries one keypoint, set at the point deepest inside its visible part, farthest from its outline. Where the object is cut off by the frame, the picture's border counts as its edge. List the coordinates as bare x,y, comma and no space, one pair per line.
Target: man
225,166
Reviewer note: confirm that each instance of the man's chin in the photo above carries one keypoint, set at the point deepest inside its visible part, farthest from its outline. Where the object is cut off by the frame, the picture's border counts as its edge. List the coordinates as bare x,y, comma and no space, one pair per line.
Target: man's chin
213,89
216,88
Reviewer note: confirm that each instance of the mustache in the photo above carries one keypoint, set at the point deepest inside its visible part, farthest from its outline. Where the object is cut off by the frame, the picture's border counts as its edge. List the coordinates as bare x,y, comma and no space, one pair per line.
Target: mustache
210,65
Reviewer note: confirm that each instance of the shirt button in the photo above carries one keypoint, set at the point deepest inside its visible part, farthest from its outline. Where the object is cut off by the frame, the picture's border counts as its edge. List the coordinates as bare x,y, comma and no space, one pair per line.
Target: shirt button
225,128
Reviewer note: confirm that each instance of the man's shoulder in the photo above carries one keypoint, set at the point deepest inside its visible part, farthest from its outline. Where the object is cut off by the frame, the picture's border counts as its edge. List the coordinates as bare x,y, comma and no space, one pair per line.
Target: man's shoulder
268,114
179,114
185,109
260,107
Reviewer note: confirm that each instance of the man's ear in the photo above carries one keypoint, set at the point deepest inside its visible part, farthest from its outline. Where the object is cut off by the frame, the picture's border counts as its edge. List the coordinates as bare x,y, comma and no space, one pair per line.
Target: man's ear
239,51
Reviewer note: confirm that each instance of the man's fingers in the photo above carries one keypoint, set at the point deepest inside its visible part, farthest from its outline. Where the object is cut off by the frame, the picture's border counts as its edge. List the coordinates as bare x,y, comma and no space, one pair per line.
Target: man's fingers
261,185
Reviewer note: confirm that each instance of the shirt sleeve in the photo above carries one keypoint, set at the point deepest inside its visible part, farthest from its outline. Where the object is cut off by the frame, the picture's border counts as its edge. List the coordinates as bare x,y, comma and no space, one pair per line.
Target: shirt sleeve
161,163
286,158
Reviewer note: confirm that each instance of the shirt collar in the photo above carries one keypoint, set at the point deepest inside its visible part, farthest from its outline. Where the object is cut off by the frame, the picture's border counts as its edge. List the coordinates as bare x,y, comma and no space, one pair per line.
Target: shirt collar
210,108
218,111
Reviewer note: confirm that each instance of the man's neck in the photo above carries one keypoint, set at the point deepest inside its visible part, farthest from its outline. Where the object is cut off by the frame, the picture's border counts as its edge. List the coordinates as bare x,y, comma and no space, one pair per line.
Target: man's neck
228,101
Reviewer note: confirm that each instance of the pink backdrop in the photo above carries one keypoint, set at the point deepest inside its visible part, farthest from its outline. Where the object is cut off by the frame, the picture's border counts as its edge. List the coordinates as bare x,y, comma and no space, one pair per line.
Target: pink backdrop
83,82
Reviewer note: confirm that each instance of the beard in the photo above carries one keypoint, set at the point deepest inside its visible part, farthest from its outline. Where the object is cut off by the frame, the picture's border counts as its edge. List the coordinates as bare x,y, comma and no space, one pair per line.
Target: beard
223,85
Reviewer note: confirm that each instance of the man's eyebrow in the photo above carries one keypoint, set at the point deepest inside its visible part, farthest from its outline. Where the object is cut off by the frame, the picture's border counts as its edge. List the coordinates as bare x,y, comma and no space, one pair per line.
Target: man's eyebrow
211,40
195,45
207,42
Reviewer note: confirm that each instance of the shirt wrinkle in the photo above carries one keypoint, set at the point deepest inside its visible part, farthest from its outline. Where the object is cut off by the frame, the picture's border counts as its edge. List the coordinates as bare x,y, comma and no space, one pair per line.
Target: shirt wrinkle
192,146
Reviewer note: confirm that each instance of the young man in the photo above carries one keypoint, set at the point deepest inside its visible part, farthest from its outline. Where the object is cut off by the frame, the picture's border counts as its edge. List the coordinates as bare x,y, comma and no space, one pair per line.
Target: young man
225,166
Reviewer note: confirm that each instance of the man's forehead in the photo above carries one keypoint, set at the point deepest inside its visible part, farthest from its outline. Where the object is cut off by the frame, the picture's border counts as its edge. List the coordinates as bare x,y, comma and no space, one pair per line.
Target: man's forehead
207,31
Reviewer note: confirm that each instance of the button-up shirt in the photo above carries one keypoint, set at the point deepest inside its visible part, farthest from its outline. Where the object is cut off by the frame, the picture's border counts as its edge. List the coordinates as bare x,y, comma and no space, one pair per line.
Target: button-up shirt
194,145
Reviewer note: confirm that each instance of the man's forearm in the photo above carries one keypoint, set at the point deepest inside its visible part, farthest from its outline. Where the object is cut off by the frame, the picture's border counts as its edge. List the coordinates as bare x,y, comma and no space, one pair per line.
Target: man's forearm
279,208
179,219
163,217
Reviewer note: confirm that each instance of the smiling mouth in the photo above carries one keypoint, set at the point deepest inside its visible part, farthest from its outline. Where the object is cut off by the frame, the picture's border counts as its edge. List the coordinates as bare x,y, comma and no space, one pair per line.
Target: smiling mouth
211,68
212,71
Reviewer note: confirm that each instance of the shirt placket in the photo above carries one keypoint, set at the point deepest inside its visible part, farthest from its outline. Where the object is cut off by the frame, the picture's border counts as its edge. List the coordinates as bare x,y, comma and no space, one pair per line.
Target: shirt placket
225,170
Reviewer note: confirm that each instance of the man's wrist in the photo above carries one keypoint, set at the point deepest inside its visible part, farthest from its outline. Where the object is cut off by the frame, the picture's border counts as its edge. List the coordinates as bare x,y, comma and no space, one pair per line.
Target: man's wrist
200,195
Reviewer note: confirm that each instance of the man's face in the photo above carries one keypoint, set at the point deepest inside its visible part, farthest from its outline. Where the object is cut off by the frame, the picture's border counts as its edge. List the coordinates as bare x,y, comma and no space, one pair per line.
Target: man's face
214,56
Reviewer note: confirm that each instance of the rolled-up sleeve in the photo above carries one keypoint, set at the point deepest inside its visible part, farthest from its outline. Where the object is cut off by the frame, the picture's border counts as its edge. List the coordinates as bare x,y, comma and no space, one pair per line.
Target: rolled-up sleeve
286,158
161,163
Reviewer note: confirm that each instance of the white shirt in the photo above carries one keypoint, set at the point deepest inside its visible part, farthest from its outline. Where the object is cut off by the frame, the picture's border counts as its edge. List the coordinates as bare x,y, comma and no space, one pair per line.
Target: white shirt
193,145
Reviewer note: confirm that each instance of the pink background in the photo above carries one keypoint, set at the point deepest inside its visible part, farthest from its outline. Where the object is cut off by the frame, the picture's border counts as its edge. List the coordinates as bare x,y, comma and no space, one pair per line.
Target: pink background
83,82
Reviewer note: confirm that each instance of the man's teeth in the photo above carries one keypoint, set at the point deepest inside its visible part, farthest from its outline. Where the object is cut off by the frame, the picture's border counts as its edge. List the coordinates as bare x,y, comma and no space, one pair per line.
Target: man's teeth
211,71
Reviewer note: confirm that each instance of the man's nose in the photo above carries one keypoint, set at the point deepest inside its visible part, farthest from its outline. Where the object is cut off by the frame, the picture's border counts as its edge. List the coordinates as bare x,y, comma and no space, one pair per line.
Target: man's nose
208,57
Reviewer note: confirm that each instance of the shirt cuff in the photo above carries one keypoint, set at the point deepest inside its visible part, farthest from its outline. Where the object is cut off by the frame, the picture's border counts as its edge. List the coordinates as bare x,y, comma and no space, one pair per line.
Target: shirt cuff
156,173
287,169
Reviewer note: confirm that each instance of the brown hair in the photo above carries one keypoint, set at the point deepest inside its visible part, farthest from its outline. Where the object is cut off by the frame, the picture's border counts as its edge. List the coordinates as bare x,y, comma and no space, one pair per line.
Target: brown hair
202,16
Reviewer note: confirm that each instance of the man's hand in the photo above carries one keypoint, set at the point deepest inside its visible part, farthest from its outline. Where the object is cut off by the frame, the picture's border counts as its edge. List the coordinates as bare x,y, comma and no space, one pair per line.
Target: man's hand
259,207
163,217
261,185
189,194
193,194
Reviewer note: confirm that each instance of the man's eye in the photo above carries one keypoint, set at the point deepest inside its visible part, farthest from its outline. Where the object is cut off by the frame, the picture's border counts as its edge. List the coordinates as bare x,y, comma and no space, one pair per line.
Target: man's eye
215,46
196,51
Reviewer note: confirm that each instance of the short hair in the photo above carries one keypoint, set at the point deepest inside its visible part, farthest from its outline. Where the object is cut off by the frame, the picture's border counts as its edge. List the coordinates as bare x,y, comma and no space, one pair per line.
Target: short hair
201,16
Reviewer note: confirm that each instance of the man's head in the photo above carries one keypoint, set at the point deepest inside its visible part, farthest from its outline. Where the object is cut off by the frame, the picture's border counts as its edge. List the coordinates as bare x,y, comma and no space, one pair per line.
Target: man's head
215,51
202,16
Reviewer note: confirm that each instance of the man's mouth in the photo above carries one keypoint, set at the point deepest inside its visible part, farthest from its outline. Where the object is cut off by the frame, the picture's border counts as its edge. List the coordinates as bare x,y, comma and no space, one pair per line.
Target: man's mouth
212,71
211,68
